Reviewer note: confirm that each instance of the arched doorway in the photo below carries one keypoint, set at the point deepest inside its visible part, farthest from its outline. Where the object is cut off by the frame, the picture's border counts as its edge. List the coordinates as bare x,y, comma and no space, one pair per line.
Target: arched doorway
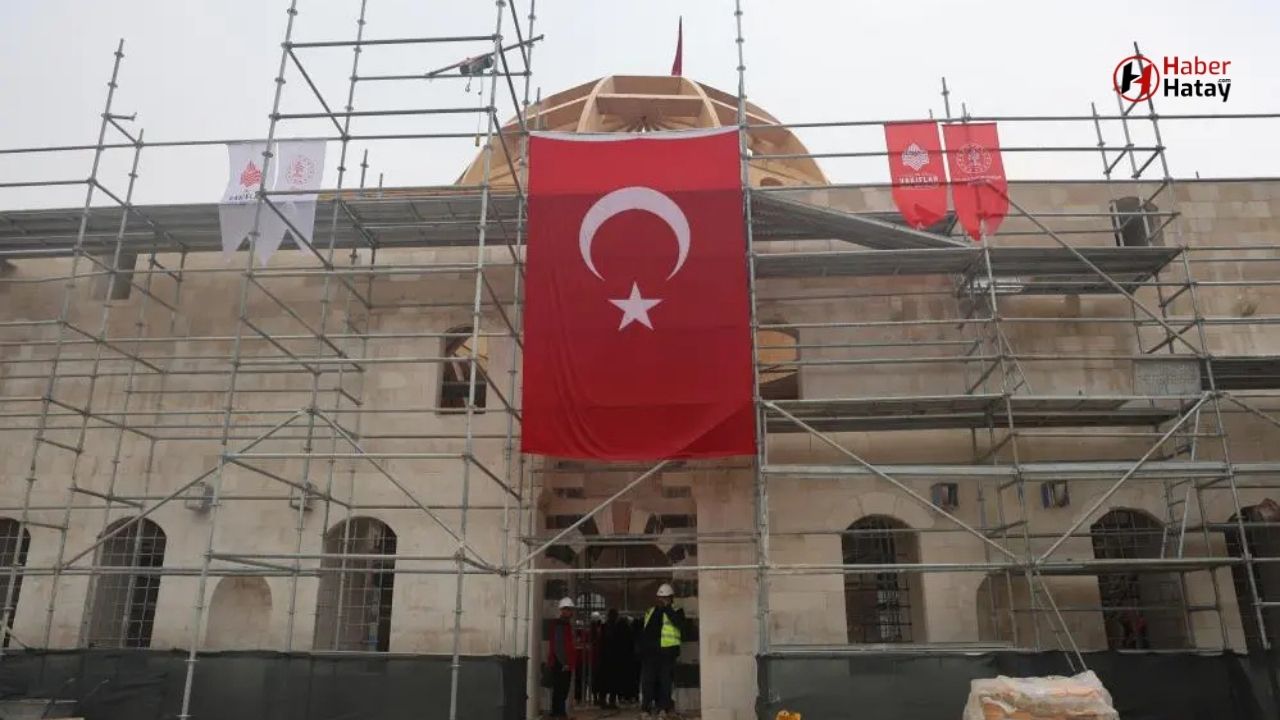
1262,536
1142,610
622,572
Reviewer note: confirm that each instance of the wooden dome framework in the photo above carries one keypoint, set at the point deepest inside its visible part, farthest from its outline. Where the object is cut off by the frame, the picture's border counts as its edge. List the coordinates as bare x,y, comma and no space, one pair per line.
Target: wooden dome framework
649,103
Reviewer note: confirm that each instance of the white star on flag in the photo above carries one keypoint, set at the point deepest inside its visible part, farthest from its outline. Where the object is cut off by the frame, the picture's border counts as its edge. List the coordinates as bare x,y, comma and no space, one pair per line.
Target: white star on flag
635,308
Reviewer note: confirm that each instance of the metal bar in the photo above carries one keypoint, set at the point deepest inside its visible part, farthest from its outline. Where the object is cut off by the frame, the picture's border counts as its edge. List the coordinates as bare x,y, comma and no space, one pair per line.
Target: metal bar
491,125
1084,517
360,43
889,478
254,236
529,557
319,95
760,495
52,378
380,113
171,496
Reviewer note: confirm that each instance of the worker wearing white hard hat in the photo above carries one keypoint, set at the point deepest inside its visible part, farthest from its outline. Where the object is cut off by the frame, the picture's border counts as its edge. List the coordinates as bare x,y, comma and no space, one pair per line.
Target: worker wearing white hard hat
660,638
562,657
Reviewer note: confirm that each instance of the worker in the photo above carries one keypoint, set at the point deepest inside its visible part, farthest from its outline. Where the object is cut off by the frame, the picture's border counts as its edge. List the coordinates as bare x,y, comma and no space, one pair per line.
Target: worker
562,658
659,647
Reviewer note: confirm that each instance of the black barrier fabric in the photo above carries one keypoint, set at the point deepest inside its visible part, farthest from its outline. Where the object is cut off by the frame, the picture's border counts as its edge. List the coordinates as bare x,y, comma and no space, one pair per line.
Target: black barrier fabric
147,685
1144,686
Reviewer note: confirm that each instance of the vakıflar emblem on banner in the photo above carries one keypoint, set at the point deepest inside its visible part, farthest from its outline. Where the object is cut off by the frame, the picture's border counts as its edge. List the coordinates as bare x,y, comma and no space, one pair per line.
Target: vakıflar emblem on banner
915,157
251,177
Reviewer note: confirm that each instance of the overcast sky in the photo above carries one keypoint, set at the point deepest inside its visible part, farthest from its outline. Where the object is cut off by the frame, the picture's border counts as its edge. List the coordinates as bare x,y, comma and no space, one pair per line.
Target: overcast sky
203,69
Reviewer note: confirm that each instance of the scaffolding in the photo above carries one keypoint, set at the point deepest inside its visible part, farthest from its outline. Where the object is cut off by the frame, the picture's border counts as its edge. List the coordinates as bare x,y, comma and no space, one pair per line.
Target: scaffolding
131,397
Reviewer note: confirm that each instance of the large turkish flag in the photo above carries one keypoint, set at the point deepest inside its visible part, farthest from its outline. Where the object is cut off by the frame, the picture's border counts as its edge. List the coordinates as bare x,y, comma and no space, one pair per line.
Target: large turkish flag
637,341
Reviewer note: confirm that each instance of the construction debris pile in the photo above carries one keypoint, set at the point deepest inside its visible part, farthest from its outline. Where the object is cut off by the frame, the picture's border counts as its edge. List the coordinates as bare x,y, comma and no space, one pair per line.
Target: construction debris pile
1079,697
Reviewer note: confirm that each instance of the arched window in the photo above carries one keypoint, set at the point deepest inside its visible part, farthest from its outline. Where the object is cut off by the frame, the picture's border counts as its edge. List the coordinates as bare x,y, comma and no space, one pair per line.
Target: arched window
353,611
881,607
1141,609
13,555
1262,533
124,601
455,376
779,374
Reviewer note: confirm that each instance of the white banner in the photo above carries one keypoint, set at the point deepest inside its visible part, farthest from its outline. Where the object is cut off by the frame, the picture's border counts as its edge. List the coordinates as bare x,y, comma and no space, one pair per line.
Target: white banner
301,167
235,213
296,165
246,172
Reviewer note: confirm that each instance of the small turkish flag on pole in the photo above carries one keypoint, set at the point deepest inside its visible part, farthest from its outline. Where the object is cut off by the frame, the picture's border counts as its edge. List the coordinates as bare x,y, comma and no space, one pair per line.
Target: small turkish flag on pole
978,185
915,165
637,334
677,66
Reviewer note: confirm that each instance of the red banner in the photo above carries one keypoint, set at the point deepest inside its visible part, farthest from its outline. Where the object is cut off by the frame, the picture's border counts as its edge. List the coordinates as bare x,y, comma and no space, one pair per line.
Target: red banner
637,340
978,184
915,165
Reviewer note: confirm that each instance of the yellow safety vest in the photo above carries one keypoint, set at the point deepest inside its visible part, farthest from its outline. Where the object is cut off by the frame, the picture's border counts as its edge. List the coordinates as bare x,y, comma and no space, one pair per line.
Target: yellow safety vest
670,633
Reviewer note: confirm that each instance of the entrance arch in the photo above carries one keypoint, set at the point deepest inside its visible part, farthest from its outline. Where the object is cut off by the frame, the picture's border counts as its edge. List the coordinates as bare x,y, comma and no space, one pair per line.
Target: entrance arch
643,560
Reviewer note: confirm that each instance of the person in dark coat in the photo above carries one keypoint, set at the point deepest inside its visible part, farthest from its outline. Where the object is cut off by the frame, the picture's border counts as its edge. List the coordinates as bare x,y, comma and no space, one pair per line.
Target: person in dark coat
615,652
595,654
631,679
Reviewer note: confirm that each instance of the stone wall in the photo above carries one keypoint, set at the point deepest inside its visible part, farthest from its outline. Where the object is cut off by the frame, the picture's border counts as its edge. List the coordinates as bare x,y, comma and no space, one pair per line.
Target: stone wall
807,512
808,610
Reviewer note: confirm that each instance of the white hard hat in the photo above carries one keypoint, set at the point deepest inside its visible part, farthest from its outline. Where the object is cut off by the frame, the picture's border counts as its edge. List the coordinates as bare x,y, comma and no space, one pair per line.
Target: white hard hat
597,615
665,590
566,603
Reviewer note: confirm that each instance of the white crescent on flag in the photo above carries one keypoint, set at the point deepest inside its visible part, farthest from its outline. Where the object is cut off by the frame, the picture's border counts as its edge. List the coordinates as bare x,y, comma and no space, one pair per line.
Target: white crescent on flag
634,198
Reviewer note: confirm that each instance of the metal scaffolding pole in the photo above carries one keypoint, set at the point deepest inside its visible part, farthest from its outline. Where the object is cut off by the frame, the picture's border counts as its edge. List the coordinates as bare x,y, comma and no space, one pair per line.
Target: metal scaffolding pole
197,616
51,381
492,126
760,486
324,369
513,459
321,339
